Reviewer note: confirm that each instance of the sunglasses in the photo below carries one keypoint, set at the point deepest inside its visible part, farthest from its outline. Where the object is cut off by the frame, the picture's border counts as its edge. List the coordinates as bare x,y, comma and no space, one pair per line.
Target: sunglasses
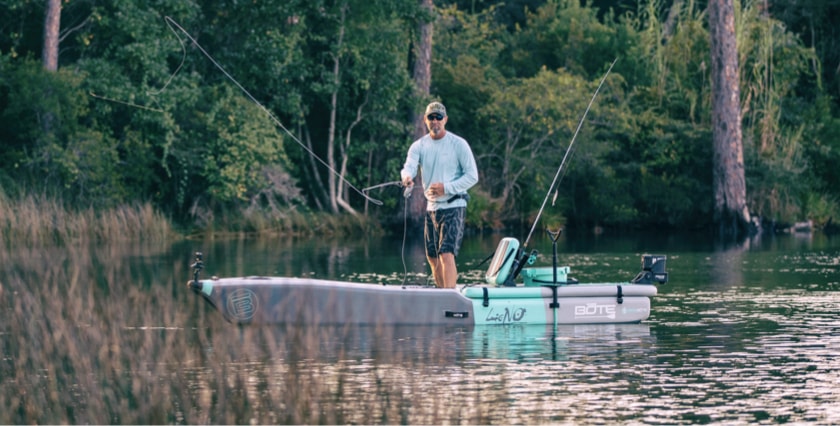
433,117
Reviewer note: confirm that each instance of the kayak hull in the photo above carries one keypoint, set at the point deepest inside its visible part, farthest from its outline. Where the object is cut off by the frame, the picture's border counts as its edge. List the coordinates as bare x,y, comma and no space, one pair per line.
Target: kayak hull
288,300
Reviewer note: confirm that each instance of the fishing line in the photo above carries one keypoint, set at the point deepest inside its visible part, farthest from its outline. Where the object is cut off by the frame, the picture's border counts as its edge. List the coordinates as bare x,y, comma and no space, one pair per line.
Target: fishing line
405,233
270,115
406,194
566,156
131,104
370,188
156,92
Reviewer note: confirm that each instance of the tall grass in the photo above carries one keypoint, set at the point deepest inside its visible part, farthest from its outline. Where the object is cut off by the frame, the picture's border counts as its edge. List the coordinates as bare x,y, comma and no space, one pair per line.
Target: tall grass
83,341
41,219
292,222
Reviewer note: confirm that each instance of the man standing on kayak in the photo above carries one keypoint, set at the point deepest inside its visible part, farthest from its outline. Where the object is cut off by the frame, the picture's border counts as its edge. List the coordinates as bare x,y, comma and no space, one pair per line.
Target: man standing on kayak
448,171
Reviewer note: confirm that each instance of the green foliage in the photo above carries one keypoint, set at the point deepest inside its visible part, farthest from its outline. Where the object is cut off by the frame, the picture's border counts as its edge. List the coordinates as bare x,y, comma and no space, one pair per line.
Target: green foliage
821,208
823,151
773,65
532,123
137,112
263,44
563,34
483,212
50,144
467,69
235,147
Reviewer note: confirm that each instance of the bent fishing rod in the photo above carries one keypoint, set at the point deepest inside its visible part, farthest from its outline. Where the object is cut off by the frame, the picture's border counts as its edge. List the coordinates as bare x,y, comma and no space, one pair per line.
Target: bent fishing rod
519,261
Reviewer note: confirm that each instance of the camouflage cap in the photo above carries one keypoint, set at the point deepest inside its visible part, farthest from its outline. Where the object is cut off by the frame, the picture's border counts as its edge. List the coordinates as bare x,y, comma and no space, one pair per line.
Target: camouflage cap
436,107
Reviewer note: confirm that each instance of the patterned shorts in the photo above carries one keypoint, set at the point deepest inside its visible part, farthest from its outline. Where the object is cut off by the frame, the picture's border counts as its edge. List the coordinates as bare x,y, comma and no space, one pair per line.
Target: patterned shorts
444,231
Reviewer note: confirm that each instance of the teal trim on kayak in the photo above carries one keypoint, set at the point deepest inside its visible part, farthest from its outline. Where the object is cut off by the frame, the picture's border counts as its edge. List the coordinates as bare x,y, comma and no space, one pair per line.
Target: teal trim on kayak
570,290
506,292
207,287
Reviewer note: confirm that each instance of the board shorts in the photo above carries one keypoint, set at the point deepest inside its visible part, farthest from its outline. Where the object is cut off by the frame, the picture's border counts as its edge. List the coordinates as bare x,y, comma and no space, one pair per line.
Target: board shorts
444,230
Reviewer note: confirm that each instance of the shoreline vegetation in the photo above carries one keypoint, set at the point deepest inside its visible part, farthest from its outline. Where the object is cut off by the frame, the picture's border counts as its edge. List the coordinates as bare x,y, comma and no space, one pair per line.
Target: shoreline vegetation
41,219
124,112
46,220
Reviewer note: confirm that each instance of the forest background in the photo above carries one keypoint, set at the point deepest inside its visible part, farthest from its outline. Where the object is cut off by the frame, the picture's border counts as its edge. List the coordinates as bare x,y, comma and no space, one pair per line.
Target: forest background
272,116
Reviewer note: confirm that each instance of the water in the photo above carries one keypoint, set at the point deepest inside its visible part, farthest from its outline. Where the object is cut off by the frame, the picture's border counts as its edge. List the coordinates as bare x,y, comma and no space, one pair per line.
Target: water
740,334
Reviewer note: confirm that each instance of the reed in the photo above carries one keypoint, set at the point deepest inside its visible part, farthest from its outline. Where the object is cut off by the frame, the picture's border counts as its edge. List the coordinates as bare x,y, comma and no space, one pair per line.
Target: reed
39,219
83,340
292,223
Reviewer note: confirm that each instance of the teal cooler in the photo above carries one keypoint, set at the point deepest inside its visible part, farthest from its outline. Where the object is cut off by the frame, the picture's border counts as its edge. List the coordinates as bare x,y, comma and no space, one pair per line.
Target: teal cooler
544,276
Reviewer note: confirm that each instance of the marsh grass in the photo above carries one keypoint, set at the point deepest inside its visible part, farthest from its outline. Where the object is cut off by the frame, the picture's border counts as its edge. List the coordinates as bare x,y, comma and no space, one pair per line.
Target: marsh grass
83,341
292,222
39,219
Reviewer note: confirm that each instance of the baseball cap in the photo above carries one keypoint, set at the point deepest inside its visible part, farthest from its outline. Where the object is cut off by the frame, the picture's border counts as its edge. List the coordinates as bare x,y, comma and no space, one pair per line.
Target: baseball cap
436,107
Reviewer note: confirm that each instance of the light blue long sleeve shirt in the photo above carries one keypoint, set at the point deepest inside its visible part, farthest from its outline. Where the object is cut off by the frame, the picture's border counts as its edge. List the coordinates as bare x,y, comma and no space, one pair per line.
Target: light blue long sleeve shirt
448,160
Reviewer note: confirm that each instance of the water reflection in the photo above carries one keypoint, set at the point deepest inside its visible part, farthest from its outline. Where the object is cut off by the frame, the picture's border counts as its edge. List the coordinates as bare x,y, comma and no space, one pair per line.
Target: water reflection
110,334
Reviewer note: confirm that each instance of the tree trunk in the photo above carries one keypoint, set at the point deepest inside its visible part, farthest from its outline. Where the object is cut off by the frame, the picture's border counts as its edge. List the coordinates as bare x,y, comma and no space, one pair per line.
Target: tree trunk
315,184
333,180
52,27
422,83
423,65
730,214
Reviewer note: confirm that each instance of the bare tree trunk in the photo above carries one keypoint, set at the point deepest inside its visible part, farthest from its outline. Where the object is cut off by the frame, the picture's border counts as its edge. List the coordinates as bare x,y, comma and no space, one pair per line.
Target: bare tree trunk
422,83
333,180
345,148
731,214
423,65
316,185
52,28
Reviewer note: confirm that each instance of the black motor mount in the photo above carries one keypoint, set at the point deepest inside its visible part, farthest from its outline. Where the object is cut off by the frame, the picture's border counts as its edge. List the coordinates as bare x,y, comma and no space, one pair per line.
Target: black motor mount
195,284
653,270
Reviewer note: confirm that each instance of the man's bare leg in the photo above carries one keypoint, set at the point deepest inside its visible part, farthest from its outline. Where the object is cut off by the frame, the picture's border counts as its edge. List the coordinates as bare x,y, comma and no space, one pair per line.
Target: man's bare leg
444,270
437,271
450,270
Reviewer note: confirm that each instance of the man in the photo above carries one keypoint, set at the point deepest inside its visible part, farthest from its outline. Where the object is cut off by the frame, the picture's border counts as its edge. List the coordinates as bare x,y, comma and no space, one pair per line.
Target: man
449,170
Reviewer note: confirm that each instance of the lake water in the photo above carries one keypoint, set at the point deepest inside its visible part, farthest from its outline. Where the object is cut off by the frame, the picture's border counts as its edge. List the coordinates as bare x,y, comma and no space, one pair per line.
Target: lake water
111,334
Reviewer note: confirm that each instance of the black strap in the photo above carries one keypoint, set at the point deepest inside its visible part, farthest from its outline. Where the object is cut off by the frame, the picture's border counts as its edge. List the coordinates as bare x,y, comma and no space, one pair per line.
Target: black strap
454,198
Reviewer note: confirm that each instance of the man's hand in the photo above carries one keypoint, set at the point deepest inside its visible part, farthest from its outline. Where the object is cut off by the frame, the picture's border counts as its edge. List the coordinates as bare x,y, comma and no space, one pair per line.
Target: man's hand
436,189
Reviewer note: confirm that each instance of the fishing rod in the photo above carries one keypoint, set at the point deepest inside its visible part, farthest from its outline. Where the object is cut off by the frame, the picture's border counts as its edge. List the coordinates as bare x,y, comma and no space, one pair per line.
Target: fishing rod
270,115
381,185
519,261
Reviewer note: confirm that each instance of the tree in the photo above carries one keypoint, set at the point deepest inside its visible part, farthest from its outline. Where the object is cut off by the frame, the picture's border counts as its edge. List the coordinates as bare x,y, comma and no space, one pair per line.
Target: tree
52,27
422,83
423,61
731,214
538,117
